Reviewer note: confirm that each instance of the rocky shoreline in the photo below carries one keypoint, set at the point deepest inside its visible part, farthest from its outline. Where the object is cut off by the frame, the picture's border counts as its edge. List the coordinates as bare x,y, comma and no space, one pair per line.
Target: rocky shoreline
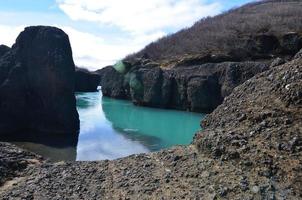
250,148
197,88
197,84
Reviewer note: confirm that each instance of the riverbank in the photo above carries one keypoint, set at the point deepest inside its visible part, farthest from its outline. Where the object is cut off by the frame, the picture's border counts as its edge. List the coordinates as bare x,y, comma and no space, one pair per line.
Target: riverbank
251,148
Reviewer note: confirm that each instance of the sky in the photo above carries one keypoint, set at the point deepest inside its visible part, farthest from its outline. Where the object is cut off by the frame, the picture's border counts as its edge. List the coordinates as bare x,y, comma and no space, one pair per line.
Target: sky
102,32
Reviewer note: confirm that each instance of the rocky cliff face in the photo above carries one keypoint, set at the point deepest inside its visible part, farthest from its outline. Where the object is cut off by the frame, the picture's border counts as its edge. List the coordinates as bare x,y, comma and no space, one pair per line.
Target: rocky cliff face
196,68
3,50
86,81
250,148
197,83
37,83
198,88
113,84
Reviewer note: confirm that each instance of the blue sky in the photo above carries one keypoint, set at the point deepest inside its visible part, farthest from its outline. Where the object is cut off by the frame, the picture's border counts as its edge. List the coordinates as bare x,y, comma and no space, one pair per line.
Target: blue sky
104,31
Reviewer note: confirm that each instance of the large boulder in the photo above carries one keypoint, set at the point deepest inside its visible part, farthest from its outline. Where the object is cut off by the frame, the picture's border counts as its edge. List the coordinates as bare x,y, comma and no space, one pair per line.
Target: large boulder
37,83
86,81
3,49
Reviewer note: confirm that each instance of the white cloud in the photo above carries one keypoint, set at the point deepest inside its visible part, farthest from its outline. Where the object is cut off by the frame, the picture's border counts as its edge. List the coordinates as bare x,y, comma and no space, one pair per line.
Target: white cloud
138,16
136,22
94,52
89,50
8,34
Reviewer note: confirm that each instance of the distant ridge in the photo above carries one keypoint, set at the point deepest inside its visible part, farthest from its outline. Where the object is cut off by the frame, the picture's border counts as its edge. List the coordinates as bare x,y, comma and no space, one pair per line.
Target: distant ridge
228,32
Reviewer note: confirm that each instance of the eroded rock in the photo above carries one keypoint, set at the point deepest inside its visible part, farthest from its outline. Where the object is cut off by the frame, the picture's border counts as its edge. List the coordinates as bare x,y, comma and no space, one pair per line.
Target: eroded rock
37,83
3,49
199,88
86,81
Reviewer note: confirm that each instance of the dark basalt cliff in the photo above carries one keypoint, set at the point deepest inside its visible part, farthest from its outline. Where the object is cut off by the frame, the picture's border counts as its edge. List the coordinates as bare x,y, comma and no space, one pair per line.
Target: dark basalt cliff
3,50
198,88
113,84
86,81
195,83
250,148
37,83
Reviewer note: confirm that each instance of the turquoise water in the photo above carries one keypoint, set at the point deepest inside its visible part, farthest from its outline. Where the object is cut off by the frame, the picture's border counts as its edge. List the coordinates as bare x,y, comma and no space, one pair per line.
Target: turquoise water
115,128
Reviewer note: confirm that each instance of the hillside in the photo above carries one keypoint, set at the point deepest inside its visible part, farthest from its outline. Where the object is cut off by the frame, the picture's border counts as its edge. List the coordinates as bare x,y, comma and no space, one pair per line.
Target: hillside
247,32
196,68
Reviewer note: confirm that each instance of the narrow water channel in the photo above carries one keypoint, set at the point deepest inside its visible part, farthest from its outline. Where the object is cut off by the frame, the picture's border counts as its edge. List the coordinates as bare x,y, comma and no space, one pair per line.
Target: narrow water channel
113,129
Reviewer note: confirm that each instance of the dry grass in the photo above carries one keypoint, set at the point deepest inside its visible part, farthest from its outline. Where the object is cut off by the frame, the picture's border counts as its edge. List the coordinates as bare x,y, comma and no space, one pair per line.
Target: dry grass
229,31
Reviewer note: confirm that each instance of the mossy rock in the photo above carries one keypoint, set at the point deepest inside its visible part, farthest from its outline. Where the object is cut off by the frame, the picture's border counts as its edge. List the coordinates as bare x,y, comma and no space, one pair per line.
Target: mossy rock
122,67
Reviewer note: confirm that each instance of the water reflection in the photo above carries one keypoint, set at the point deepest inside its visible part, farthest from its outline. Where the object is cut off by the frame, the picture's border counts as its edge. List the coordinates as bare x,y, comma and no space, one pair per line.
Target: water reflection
113,129
55,147
98,139
167,127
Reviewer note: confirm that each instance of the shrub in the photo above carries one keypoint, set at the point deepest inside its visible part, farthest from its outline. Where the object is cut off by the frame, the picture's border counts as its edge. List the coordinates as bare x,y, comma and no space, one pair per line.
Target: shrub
228,31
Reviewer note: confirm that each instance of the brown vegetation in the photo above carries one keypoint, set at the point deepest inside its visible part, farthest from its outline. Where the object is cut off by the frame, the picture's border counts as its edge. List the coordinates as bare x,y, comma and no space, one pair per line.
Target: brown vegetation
231,32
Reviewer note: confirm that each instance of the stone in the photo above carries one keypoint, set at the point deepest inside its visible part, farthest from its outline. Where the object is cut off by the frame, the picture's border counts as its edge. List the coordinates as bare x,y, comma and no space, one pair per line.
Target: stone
86,81
3,50
291,42
194,88
298,55
37,84
277,62
113,84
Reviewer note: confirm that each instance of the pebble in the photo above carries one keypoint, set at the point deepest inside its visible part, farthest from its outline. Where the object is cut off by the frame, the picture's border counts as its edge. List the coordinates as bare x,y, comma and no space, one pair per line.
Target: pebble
255,189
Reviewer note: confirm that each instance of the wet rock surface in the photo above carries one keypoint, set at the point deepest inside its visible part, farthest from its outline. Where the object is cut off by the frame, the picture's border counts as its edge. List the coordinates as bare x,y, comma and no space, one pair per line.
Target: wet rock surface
86,81
37,83
250,149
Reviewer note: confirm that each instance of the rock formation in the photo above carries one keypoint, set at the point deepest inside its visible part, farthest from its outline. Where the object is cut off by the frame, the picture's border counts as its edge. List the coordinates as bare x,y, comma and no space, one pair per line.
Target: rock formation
3,50
86,81
250,148
199,88
14,161
197,83
113,84
197,67
299,54
37,84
